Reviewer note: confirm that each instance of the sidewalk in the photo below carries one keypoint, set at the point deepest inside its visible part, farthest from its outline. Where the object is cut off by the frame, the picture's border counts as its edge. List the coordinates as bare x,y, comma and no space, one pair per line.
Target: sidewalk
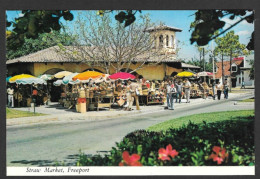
60,114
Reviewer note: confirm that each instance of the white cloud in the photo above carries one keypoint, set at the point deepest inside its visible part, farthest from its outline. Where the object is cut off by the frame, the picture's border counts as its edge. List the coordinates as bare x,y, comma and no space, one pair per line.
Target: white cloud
245,23
243,32
228,21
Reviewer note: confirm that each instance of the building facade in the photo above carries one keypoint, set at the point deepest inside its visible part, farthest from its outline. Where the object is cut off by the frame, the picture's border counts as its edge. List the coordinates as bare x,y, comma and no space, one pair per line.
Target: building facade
50,61
240,70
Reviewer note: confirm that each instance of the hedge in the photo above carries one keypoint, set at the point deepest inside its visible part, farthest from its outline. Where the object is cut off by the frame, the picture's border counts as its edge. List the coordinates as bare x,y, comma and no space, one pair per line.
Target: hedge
226,143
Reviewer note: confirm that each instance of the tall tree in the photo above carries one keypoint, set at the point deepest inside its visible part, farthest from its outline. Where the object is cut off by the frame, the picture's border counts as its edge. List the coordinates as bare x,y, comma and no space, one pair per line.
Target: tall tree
207,22
32,23
202,52
106,43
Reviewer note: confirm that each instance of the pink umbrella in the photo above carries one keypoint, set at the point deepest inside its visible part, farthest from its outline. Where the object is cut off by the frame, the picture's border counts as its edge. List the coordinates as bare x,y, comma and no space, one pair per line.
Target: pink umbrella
122,76
204,73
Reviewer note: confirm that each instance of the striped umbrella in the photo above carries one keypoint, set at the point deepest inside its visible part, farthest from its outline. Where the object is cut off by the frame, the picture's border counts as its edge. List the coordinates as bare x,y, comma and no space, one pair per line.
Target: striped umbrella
8,78
17,77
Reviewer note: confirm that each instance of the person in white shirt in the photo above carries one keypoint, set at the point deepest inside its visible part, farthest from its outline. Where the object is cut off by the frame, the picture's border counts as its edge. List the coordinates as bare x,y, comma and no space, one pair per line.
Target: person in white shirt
219,90
187,87
214,90
170,90
10,92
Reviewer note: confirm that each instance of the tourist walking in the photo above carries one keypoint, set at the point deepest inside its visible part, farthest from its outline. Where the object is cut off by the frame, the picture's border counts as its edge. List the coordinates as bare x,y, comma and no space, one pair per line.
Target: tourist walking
170,89
243,85
178,87
225,90
134,87
129,98
10,92
35,96
214,90
219,90
187,87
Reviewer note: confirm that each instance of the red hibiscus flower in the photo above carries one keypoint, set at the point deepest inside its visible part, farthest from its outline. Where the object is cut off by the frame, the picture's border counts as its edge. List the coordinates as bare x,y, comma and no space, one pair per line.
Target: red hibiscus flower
130,160
165,153
219,156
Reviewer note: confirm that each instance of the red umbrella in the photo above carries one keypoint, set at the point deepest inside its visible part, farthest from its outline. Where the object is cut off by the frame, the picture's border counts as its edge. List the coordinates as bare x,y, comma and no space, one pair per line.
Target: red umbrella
122,76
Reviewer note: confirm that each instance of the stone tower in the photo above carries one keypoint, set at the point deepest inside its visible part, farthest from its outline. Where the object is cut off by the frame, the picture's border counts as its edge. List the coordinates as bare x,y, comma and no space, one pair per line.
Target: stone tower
164,37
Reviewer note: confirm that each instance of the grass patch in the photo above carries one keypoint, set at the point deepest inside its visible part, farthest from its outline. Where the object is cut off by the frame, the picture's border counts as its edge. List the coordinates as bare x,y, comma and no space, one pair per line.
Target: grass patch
199,118
12,113
248,100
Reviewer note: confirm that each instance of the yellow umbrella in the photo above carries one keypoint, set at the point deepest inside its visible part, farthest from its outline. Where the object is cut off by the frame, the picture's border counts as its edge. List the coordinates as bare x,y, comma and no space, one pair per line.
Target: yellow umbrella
185,74
17,77
87,75
62,74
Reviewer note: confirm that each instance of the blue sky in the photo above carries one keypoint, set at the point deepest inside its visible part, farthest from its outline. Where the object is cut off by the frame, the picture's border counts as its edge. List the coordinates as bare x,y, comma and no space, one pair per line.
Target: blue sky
180,19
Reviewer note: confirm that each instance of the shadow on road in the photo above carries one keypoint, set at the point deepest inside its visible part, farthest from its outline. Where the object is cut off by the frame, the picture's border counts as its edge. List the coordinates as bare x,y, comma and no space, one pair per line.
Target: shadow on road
60,107
36,162
71,160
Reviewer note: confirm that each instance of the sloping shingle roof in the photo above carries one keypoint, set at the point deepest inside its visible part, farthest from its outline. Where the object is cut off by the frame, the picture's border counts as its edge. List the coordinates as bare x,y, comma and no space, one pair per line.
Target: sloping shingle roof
185,65
163,27
52,55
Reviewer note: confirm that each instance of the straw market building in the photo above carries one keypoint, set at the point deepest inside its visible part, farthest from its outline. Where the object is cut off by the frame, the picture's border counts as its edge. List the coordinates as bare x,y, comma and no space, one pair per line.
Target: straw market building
50,61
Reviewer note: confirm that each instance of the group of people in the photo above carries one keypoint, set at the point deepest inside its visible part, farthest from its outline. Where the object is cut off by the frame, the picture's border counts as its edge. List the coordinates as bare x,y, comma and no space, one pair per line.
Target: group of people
175,89
126,92
218,88
24,95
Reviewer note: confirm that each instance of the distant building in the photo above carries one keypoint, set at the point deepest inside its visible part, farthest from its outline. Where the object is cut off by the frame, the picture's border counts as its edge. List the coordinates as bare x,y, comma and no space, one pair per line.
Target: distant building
240,70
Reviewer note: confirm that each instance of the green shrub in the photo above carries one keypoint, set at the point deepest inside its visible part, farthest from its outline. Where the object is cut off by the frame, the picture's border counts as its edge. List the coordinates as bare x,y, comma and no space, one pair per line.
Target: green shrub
194,144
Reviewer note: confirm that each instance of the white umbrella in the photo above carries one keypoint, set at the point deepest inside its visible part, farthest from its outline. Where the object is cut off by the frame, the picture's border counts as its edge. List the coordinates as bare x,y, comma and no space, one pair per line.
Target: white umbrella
68,79
46,77
26,81
57,83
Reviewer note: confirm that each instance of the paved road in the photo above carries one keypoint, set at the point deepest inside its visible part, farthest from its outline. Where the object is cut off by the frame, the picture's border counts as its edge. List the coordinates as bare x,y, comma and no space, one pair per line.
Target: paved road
45,144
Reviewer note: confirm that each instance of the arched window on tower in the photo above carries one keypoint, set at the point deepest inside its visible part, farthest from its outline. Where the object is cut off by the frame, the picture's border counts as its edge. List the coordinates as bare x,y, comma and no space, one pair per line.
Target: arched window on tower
154,41
172,41
167,40
161,41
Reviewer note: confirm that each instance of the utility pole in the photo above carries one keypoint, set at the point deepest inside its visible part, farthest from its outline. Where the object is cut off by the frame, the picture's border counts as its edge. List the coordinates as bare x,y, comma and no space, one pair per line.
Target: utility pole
200,61
203,53
223,80
230,80
213,60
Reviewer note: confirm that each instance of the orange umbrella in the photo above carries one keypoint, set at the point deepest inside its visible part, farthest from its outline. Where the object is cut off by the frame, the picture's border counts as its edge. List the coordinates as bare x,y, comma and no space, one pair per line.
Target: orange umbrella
87,75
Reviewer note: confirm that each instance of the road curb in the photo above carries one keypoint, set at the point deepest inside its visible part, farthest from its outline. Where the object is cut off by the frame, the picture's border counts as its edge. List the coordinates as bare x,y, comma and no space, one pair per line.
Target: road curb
101,117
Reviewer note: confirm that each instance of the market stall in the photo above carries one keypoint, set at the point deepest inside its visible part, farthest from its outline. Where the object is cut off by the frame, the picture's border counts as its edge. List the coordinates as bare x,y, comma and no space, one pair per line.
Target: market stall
30,84
206,90
18,91
96,94
119,90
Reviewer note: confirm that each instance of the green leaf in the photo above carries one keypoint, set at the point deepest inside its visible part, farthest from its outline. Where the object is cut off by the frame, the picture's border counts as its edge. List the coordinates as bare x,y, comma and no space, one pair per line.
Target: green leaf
139,149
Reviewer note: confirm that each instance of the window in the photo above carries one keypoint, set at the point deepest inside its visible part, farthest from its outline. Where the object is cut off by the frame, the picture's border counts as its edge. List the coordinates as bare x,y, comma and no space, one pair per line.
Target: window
167,40
161,41
234,68
215,68
172,41
154,41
